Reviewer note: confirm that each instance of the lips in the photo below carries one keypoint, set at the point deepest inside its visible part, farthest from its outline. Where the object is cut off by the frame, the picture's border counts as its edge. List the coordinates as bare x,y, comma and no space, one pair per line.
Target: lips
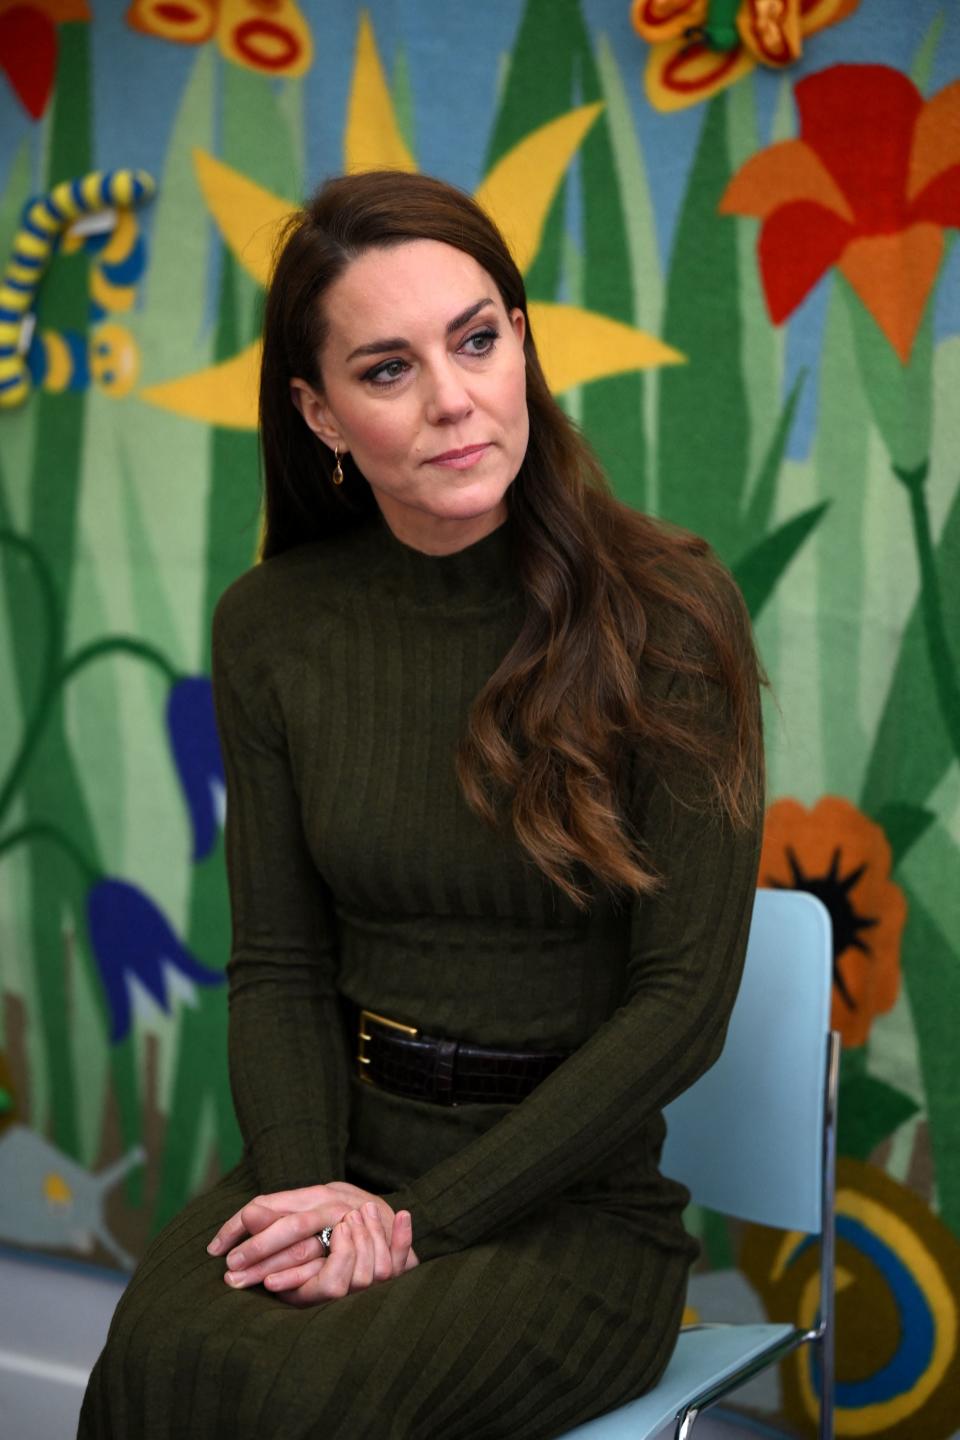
449,456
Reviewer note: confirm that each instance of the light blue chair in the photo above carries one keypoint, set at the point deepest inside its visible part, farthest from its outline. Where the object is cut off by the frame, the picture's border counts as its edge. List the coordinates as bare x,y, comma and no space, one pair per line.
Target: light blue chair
755,1138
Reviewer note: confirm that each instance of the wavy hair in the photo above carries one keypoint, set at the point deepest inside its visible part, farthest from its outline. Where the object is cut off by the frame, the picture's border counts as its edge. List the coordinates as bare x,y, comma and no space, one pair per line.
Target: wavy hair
634,639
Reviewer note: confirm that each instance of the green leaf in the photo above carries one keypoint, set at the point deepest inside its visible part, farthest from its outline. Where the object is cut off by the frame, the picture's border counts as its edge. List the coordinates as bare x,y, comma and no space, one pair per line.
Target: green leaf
922,66
903,826
612,408
402,90
869,1110
931,972
552,69
173,293
764,345
764,493
201,1072
539,87
704,420
641,239
900,769
13,199
841,473
758,572
256,140
899,395
54,937
539,83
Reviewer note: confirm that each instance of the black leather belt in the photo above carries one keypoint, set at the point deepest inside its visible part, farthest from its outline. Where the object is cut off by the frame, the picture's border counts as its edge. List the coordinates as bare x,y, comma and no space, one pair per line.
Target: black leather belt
399,1058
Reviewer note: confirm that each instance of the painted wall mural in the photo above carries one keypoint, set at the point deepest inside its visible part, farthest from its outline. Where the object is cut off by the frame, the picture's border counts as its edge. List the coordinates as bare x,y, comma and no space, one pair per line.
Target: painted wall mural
737,222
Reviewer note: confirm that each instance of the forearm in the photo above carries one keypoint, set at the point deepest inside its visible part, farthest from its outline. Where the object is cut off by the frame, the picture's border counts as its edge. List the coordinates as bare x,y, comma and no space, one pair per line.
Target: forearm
670,1029
288,1070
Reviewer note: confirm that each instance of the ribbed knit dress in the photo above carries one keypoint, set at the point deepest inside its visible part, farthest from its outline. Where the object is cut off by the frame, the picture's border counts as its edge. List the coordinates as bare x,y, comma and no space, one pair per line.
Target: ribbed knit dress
553,1258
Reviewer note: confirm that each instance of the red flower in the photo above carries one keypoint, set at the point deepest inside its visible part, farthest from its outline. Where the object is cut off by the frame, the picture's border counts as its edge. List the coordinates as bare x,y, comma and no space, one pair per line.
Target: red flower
869,187
28,46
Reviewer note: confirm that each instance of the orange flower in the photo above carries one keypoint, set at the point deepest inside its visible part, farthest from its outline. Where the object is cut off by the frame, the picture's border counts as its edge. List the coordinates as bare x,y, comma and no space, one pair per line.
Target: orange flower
836,853
28,46
694,53
869,187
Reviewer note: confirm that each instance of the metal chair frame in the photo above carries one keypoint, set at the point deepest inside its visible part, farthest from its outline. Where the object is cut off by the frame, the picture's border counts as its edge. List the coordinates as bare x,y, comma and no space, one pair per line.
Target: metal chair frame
821,1334
718,1120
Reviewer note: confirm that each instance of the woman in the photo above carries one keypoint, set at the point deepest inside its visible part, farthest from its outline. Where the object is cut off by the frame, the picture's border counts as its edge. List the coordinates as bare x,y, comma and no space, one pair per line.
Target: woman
494,773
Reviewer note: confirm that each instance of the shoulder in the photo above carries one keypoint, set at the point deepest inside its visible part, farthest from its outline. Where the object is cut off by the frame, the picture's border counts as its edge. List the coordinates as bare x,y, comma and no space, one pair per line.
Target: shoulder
276,602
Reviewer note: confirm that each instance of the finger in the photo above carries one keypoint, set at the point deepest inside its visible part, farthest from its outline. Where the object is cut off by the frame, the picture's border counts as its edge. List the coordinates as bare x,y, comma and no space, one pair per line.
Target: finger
300,1254
332,1281
280,1282
278,1235
229,1233
382,1259
254,1216
412,1260
362,1277
400,1241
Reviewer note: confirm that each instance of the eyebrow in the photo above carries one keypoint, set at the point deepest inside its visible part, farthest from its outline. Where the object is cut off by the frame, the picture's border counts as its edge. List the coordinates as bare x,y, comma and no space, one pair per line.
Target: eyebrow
377,347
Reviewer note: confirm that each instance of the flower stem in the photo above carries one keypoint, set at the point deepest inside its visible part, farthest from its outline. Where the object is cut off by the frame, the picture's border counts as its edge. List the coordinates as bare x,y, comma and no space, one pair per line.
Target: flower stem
41,830
938,646
110,645
49,597
118,645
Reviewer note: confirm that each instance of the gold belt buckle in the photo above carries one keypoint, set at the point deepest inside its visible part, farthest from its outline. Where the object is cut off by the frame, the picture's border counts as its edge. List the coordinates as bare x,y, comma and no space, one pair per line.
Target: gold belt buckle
364,1037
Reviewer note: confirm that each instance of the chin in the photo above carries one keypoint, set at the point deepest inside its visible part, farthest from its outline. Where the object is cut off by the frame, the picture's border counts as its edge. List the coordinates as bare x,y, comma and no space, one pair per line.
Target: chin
468,501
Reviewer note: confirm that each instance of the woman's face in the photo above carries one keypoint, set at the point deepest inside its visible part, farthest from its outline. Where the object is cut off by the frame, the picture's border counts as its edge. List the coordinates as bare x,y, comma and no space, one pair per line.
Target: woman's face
423,383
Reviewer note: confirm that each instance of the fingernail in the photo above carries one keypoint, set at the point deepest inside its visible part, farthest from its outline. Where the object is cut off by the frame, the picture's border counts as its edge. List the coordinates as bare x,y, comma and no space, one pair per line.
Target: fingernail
214,1247
235,1262
404,1217
355,1217
371,1209
233,1278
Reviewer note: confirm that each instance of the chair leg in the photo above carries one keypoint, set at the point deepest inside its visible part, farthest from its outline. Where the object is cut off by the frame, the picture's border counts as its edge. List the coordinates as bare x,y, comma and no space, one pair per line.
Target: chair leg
685,1423
826,1384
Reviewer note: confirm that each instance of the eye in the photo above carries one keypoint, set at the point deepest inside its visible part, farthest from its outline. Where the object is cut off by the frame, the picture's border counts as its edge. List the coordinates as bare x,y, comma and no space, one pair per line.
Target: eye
387,373
481,342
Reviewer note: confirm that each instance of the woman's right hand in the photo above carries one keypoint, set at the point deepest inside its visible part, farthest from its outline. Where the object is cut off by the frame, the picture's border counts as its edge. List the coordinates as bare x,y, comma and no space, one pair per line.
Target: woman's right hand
360,1255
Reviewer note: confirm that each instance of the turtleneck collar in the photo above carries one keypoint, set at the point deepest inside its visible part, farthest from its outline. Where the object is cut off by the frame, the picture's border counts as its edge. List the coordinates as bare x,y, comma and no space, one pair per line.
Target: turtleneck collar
481,574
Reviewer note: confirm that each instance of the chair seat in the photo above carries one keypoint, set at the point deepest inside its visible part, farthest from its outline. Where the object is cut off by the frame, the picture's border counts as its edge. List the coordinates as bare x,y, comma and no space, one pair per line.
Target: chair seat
703,1358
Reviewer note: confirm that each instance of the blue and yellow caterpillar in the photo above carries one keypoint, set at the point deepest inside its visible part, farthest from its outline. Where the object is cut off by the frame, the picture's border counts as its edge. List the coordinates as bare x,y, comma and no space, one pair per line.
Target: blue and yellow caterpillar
64,360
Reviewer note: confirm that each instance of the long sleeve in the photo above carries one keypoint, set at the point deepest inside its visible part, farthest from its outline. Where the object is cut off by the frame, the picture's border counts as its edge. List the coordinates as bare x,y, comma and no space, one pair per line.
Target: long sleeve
687,946
288,1068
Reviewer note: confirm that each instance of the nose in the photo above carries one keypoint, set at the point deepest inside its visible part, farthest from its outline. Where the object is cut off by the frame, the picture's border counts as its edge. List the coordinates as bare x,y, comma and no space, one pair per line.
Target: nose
447,398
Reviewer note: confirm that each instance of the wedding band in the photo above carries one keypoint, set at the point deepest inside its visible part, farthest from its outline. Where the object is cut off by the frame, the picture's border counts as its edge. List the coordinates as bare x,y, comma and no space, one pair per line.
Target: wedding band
324,1237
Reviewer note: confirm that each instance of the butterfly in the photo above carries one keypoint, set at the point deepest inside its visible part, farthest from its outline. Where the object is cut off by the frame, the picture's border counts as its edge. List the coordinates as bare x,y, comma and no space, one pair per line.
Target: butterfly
269,36
701,46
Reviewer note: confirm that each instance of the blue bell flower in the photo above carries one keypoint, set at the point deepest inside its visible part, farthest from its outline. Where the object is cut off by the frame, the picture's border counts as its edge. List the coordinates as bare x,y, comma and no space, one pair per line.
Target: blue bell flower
136,947
192,728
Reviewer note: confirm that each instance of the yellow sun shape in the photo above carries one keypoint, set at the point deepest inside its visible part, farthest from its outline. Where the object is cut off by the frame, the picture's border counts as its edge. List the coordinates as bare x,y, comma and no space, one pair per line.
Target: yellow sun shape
575,345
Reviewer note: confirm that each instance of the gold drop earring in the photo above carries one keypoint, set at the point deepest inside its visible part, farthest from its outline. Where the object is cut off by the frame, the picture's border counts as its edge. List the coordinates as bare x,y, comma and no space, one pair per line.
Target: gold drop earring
338,468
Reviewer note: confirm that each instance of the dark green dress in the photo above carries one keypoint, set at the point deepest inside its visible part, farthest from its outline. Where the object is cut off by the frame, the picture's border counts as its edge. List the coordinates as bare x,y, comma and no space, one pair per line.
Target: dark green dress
553,1256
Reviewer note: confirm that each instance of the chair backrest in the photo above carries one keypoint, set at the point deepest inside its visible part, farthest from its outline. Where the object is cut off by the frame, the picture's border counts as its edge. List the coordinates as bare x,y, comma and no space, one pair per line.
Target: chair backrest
747,1138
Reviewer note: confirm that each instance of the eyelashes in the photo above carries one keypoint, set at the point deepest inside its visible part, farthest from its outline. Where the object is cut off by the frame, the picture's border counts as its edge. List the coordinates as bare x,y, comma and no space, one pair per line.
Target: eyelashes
389,372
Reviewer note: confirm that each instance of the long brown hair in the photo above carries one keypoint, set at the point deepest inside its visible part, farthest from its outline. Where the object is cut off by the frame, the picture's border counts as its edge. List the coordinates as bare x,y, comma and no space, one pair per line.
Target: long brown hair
634,636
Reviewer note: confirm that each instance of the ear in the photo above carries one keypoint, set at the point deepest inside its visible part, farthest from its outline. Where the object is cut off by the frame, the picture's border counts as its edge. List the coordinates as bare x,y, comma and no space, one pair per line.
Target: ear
519,323
316,413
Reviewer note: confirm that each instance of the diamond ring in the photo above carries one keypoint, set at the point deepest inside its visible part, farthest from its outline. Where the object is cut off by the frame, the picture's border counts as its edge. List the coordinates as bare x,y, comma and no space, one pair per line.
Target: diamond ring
324,1237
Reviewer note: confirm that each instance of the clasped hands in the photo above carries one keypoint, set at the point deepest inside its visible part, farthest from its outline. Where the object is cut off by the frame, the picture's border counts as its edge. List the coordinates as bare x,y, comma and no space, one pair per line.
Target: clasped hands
273,1241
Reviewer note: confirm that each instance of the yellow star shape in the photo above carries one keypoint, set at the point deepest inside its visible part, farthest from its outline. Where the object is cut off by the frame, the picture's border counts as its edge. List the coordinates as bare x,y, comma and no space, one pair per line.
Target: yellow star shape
575,345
